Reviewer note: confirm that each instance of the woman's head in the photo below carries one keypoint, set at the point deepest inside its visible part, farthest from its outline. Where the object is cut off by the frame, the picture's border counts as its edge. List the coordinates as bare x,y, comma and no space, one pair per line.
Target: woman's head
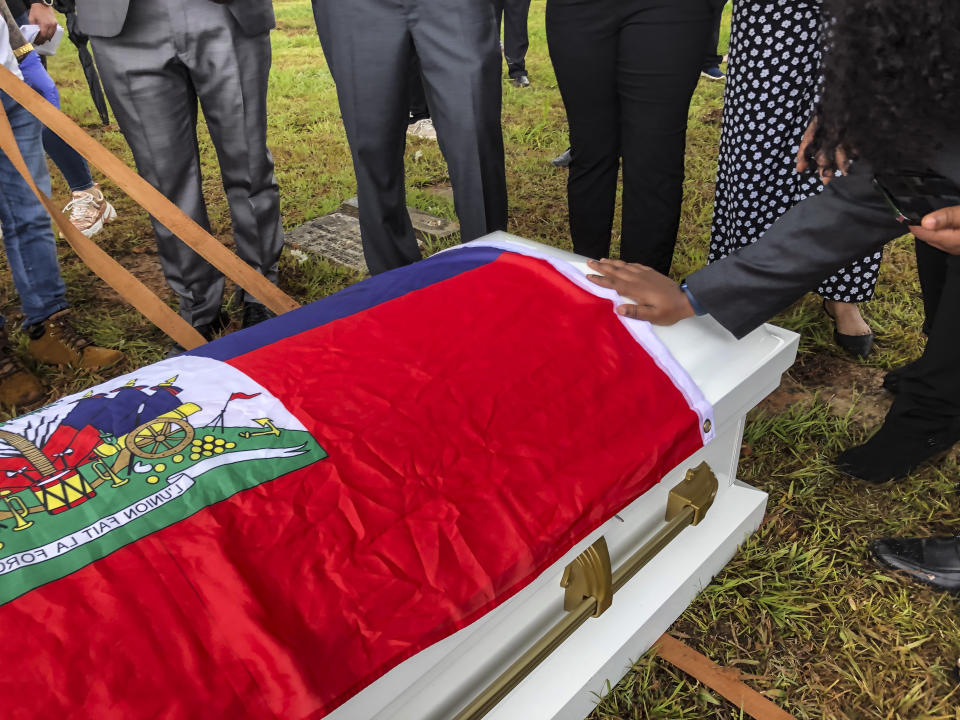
891,79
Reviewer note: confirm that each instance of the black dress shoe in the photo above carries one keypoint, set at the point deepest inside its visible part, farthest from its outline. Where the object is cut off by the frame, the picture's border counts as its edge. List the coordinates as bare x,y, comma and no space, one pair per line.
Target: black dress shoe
895,451
563,159
209,331
891,381
216,326
254,313
934,561
857,345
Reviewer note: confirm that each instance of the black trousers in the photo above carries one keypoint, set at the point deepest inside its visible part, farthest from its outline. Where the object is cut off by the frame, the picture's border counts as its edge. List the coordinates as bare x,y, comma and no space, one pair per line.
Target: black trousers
512,17
419,110
928,399
712,57
627,70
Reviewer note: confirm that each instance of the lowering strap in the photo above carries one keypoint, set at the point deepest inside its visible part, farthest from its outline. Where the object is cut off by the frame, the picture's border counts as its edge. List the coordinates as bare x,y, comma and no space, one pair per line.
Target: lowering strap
150,200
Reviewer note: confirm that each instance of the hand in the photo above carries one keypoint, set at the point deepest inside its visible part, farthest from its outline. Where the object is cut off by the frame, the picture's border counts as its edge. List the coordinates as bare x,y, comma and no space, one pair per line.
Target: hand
840,158
659,299
940,229
42,16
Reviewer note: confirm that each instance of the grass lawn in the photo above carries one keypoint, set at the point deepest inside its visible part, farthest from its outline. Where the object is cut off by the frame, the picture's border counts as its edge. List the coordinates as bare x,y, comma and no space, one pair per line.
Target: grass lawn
799,610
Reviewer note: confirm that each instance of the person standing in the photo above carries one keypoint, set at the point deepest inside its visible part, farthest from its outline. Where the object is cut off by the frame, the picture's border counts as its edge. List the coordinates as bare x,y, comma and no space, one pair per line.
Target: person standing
32,257
931,560
774,76
419,123
88,209
512,17
368,45
712,59
871,110
627,70
157,60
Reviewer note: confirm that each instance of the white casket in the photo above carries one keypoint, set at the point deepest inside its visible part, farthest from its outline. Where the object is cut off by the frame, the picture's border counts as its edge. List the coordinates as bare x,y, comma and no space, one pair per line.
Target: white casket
438,682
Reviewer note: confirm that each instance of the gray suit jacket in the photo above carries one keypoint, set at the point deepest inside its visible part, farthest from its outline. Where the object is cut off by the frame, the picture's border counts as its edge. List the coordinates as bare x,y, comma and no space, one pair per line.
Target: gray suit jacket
105,18
848,221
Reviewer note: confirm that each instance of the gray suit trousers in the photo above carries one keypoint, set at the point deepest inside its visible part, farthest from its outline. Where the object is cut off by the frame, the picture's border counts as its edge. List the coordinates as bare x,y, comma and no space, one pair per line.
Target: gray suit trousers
368,45
106,18
170,55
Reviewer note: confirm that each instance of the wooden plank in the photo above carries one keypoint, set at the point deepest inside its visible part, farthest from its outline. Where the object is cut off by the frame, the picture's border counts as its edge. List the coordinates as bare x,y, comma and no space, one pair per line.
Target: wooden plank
725,681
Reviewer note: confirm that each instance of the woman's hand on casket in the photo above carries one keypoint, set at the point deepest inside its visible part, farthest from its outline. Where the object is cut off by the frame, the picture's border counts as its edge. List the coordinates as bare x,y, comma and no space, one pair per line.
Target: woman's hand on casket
659,299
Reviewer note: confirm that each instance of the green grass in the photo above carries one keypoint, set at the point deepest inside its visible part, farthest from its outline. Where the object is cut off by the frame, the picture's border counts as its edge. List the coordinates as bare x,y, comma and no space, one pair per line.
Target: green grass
800,610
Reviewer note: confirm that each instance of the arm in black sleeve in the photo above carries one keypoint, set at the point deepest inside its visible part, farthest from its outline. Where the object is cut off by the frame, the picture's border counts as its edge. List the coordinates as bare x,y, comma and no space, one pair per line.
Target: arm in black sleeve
848,221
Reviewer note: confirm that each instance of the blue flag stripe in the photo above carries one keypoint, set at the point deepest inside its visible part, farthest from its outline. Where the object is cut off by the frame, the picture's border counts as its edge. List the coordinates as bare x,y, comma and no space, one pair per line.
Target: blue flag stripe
354,299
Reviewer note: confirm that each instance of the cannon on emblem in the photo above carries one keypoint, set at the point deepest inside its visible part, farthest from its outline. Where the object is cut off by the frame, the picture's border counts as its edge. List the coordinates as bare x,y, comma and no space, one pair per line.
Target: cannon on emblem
161,437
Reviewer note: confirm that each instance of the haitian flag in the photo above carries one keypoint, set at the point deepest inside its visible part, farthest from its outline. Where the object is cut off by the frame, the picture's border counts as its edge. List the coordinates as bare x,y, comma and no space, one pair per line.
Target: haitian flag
264,526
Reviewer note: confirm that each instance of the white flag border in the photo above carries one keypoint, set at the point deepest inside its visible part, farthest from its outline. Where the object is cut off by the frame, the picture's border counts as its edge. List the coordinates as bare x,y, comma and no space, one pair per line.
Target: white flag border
641,330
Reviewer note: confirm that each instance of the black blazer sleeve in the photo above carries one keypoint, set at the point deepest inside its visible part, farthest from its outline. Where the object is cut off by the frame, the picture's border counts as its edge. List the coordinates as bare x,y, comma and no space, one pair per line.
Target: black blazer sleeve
848,221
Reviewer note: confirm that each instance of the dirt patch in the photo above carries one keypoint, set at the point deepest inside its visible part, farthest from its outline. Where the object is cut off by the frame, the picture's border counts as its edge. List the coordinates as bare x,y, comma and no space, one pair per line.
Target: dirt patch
843,384
146,268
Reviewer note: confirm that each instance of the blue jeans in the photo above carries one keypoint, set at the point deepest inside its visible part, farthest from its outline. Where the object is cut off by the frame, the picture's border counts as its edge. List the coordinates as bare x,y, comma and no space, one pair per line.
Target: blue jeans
27,235
74,168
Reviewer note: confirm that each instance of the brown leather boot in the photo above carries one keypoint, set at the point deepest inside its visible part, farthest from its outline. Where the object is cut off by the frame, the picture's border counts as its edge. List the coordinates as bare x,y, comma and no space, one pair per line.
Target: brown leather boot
18,386
57,342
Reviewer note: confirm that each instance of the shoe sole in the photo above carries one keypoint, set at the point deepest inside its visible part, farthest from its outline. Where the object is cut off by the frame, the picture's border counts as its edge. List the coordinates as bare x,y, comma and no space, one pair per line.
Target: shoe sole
109,215
711,77
920,576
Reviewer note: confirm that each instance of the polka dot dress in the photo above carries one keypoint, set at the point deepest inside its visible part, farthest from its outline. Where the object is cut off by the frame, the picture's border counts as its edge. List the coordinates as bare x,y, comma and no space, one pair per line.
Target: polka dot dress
772,80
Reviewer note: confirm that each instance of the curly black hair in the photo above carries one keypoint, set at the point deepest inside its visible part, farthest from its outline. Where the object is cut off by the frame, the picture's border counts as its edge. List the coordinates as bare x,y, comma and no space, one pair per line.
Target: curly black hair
891,80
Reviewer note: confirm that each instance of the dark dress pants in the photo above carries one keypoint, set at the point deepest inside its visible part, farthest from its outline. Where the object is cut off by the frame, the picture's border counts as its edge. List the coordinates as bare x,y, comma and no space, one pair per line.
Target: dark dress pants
368,45
712,57
928,398
166,63
512,16
419,110
627,70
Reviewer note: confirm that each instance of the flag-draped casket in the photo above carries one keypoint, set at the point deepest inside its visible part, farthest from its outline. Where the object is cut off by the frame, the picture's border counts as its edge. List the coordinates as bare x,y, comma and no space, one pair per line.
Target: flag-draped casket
267,525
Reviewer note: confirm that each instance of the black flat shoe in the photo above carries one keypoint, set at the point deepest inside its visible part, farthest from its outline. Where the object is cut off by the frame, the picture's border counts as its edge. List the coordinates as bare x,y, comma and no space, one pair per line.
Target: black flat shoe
255,313
933,561
857,345
894,452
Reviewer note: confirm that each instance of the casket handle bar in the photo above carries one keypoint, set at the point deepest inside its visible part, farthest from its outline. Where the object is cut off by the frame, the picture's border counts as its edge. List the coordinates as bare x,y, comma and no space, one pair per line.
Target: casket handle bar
590,585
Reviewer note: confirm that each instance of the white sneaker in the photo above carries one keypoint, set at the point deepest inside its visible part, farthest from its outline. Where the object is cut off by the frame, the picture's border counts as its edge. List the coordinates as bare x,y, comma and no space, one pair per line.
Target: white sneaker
422,129
89,211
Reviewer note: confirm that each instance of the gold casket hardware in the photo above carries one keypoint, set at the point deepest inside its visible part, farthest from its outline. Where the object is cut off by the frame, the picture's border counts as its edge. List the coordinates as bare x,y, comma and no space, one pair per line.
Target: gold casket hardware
590,587
589,576
697,490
